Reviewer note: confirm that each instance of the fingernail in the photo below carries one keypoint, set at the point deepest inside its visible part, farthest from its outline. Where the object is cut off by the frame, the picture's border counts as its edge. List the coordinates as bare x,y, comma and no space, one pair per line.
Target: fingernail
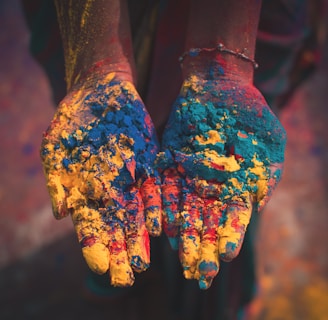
208,268
229,252
138,264
204,283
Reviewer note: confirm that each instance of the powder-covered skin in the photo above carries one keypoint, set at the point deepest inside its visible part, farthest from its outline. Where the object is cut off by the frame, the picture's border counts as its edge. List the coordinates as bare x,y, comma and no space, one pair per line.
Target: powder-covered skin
98,156
222,155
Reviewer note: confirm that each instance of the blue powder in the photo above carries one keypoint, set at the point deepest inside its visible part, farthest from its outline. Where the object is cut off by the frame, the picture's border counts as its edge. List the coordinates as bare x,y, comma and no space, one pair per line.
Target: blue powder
229,109
138,263
66,162
205,267
126,120
230,248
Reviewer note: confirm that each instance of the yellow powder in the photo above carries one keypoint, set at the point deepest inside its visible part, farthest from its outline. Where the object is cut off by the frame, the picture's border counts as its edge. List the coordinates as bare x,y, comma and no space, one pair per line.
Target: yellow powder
238,185
88,223
190,254
56,190
230,164
75,199
151,216
97,257
213,138
107,79
228,233
137,248
86,13
192,83
121,273
262,190
209,253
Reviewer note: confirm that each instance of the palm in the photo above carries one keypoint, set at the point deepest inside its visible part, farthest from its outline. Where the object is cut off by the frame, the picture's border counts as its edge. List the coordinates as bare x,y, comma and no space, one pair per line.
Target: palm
98,157
223,152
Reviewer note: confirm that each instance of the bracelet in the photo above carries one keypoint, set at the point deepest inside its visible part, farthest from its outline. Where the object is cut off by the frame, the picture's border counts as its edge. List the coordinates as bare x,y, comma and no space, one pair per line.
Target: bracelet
194,52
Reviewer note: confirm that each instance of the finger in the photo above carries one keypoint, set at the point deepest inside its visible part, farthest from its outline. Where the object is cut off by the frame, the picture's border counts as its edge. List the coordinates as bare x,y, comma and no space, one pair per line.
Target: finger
191,227
57,195
265,188
171,192
75,199
136,233
207,189
208,266
151,196
92,235
121,274
231,234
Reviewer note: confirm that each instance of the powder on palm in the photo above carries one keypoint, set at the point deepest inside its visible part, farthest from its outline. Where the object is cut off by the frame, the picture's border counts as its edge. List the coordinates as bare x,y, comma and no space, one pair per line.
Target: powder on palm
99,167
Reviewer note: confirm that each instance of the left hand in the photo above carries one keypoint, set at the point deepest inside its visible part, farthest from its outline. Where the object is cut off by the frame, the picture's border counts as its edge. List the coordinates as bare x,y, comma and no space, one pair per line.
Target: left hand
98,155
222,156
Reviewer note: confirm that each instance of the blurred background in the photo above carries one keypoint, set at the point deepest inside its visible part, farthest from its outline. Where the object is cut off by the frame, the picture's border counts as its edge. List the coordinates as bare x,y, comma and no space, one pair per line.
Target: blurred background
42,274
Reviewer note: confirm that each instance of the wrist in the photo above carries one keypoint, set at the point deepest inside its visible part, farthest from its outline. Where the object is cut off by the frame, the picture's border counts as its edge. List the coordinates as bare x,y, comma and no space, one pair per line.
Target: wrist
88,77
218,63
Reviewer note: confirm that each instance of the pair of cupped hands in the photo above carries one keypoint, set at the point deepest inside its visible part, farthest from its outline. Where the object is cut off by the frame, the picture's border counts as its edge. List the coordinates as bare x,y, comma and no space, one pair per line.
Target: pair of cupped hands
220,157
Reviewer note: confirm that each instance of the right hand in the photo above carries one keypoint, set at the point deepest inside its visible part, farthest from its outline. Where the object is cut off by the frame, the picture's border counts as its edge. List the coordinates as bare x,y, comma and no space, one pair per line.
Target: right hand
222,156
98,155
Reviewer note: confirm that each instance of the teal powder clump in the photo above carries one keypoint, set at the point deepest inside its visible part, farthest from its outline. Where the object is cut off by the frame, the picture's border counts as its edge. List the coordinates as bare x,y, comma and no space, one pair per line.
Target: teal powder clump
246,126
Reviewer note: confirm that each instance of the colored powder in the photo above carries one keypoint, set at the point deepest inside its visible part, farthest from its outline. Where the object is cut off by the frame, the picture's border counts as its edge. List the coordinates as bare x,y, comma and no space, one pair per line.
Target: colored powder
224,143
241,148
98,157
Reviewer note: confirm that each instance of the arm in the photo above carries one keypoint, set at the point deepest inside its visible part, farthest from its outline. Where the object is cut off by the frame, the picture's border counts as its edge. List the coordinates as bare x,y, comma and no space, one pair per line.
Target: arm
95,34
99,149
223,147
233,23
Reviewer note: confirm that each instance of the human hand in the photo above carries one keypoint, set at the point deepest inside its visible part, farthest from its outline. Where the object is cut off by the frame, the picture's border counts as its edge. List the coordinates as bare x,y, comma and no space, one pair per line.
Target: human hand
98,155
222,156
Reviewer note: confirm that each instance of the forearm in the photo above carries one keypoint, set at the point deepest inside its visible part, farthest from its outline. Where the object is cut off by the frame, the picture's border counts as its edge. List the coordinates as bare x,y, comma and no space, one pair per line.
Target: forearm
230,22
96,36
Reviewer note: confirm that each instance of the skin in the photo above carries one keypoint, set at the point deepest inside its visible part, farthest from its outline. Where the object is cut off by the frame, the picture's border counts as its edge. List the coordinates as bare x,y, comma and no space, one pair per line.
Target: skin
99,149
220,170
233,23
205,213
111,189
96,38
108,184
